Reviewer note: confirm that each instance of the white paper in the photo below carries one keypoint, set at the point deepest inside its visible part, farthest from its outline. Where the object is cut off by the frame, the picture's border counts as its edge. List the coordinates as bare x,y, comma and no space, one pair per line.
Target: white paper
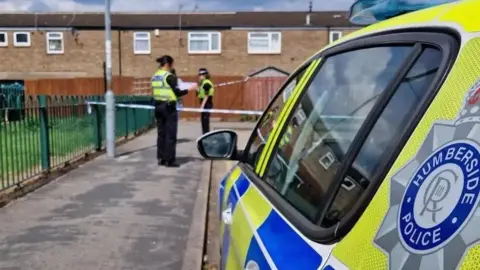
185,85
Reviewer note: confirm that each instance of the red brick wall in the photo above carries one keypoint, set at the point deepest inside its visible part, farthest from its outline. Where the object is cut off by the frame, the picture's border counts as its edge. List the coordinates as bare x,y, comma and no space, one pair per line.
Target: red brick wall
84,54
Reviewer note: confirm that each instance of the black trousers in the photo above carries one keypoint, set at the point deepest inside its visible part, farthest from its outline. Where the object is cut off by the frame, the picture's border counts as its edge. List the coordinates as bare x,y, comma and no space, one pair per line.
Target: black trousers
167,126
205,118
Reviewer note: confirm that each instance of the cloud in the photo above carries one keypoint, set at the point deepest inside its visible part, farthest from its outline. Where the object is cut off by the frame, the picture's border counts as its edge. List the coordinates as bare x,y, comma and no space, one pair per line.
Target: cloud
169,5
46,5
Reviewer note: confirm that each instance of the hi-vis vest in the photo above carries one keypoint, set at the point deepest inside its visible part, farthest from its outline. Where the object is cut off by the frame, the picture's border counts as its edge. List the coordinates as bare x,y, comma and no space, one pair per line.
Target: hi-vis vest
286,137
201,92
161,89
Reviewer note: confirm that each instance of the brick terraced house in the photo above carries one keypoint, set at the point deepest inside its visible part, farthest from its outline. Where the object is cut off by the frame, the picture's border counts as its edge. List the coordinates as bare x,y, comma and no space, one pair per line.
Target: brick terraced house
229,43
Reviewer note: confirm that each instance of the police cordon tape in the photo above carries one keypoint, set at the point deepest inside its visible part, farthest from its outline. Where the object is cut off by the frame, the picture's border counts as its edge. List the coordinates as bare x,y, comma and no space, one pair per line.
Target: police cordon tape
183,109
186,109
231,82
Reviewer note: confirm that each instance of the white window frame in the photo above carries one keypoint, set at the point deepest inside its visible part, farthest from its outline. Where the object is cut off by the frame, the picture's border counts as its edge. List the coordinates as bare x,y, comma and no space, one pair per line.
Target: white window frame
331,160
22,44
332,33
59,36
5,43
210,50
270,50
350,181
147,38
301,116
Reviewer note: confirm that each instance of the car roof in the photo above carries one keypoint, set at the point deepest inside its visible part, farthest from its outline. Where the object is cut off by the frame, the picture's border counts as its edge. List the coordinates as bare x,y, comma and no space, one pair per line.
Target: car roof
461,16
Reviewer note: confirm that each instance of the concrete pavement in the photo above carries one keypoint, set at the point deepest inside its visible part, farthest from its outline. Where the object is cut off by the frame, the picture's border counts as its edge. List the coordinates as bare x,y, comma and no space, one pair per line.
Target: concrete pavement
126,213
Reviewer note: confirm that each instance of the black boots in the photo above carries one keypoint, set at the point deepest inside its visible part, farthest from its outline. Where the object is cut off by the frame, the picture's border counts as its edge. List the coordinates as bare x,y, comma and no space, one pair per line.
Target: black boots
171,164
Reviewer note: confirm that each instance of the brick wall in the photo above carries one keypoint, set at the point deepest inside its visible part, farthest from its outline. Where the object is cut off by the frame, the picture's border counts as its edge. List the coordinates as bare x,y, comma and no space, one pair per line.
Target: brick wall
84,54
233,60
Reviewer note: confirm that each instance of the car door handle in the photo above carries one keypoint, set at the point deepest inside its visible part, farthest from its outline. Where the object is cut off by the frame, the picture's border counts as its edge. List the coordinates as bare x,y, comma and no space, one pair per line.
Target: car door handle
227,216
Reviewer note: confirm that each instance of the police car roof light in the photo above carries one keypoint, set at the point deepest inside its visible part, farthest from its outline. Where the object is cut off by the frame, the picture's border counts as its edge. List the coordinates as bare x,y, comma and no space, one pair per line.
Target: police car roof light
365,12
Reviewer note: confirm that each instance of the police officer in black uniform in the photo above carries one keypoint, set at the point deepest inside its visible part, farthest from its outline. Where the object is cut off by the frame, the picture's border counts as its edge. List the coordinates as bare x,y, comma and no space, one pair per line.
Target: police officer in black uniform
166,94
205,95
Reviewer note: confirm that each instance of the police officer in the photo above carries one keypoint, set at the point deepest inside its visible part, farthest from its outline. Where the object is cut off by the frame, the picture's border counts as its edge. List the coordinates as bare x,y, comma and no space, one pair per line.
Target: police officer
205,95
165,95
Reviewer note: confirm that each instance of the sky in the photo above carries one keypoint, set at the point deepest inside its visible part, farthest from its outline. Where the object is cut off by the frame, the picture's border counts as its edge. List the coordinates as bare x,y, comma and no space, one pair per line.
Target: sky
170,5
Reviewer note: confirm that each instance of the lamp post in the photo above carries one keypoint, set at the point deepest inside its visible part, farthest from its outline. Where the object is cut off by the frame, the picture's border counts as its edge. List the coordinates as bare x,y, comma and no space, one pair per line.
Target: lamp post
109,96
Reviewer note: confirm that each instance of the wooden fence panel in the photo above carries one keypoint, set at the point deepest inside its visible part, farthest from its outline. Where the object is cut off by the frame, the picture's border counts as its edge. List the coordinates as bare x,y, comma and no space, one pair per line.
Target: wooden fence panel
259,91
228,97
78,86
255,94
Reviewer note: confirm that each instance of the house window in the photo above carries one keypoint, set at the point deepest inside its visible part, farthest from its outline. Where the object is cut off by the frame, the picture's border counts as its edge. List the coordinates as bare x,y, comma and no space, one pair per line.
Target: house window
327,160
3,39
334,35
348,183
264,42
300,116
55,43
21,39
141,43
204,42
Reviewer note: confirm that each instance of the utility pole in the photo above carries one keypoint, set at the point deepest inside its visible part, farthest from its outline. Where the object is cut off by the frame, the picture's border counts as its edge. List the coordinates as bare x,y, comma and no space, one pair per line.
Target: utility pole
109,97
180,7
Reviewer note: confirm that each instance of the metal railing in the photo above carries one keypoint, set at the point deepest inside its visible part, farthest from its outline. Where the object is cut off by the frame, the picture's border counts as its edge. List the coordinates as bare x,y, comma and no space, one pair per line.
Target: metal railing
38,133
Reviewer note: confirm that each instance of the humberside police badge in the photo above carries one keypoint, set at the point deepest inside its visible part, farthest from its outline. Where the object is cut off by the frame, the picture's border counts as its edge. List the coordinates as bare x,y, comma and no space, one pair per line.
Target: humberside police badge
434,212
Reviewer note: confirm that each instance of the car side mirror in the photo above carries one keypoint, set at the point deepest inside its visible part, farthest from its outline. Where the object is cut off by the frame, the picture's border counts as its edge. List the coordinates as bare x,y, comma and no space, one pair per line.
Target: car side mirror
218,145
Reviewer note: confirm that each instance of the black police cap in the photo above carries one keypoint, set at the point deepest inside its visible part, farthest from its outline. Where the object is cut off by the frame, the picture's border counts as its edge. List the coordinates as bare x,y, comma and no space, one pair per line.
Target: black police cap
202,71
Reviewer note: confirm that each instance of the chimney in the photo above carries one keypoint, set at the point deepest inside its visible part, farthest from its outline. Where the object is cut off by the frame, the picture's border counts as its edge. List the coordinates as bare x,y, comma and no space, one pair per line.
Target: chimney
307,17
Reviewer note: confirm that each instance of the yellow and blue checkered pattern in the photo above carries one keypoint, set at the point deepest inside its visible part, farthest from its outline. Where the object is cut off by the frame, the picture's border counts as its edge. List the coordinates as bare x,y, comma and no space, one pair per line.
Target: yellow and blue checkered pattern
356,250
260,234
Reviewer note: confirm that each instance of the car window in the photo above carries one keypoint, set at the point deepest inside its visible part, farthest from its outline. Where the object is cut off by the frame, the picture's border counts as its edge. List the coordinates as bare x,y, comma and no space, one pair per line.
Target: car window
267,121
331,111
390,125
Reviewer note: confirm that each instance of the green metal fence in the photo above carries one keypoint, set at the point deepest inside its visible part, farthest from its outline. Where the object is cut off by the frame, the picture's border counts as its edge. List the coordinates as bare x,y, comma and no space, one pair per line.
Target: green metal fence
11,89
51,131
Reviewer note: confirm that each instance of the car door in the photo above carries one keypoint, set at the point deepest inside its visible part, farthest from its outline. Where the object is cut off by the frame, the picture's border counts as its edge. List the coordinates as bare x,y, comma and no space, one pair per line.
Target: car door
285,203
388,153
237,228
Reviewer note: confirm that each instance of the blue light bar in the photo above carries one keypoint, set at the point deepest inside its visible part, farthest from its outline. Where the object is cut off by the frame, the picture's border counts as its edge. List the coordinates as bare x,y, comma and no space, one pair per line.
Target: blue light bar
365,12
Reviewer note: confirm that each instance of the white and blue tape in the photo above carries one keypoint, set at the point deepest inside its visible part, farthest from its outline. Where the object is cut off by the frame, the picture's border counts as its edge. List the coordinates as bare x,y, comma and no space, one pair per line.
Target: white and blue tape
179,108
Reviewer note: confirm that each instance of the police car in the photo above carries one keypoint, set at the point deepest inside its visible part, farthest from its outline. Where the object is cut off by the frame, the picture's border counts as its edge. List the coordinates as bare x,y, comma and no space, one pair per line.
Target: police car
381,169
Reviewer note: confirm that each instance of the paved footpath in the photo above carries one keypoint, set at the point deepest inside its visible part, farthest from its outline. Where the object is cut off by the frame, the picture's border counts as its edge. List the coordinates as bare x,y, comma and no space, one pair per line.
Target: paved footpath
126,213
